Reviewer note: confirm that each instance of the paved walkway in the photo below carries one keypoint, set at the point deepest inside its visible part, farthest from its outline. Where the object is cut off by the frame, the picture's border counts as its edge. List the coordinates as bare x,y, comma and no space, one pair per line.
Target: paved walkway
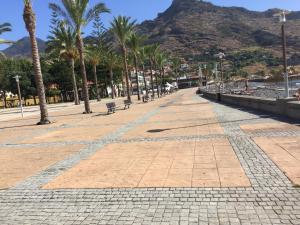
178,160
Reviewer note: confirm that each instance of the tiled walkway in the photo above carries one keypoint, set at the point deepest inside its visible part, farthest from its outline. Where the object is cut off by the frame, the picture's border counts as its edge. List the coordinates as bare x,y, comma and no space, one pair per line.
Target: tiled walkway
178,160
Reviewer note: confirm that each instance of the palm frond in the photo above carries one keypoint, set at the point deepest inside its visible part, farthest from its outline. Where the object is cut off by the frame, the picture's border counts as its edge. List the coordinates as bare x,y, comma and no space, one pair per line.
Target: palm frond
61,12
5,27
95,11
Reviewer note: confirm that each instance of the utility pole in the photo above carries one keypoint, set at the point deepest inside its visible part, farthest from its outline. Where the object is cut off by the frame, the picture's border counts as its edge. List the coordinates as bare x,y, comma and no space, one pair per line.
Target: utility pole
17,77
200,74
286,75
221,55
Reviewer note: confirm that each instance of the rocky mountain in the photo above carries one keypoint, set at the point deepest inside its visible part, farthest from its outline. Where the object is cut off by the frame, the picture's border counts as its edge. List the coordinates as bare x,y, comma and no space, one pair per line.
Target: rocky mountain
193,27
22,48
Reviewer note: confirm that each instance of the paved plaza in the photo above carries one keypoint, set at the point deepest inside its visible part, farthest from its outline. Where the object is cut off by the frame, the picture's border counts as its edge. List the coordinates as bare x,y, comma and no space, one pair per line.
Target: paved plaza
180,159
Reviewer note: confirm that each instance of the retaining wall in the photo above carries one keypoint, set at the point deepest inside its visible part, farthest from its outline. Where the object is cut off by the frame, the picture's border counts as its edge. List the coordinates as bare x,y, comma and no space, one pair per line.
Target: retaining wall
285,107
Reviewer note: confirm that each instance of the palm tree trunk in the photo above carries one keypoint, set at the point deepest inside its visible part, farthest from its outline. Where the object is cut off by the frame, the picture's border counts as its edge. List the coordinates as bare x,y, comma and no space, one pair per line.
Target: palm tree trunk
85,90
111,75
30,22
4,99
126,73
145,82
164,80
152,82
39,81
76,98
161,81
137,78
156,81
96,82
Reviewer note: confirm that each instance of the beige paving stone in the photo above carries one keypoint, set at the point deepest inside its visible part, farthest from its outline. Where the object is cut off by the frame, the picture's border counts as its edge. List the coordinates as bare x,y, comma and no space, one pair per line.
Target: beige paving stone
17,164
284,152
263,127
205,174
87,133
153,164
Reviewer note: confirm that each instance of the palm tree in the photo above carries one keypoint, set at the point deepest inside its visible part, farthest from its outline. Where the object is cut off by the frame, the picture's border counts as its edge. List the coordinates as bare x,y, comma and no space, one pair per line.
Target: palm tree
94,54
122,27
62,42
5,27
112,61
30,23
176,63
143,57
134,43
77,15
151,51
161,62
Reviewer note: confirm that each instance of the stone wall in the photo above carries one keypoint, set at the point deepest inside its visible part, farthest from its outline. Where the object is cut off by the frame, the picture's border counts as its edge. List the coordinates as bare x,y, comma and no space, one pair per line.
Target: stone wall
285,107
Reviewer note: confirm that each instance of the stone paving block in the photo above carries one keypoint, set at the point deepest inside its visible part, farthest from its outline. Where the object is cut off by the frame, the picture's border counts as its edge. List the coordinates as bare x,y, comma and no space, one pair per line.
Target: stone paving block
17,164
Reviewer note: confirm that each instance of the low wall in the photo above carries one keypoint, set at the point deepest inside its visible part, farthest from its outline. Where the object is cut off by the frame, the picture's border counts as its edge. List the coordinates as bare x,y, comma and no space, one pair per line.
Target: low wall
285,107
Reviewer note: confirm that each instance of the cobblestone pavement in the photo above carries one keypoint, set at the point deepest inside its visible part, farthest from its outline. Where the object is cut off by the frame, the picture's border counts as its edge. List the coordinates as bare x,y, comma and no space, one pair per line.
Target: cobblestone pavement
271,199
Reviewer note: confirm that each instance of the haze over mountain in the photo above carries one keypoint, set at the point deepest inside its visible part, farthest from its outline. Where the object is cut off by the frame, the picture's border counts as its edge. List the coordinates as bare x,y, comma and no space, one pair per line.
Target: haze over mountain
191,27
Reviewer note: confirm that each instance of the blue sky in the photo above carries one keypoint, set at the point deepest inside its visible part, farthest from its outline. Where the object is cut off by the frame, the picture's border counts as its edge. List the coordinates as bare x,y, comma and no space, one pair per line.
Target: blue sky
11,11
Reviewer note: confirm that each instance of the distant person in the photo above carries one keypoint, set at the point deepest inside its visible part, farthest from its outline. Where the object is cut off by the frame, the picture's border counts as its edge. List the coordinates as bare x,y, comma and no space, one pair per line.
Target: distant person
246,85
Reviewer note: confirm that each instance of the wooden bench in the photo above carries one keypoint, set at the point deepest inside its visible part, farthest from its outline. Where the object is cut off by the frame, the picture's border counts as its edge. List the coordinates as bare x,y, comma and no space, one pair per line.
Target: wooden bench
111,107
127,104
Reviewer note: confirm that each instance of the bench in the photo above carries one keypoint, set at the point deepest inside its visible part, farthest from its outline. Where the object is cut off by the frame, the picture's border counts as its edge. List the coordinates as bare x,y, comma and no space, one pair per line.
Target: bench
111,107
146,98
127,104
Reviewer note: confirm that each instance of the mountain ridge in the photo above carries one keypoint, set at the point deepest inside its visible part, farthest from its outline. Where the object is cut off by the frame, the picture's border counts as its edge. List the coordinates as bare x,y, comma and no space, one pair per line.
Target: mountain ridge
192,27
22,48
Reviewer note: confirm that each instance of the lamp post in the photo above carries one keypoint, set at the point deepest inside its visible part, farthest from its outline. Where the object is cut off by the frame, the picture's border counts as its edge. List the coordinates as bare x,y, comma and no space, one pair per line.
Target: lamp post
17,77
221,55
282,19
200,74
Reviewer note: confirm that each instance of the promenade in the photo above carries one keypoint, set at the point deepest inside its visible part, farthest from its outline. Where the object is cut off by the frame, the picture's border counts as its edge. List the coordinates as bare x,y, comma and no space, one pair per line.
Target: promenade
180,159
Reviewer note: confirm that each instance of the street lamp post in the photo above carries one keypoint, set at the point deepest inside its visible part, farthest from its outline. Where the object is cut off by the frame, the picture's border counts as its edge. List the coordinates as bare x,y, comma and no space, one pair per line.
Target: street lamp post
17,77
221,55
200,74
286,75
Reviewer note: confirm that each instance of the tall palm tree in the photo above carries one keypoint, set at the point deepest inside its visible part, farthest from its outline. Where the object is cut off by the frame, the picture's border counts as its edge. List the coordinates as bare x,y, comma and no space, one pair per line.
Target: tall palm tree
122,27
151,51
134,44
30,23
62,42
77,15
94,54
143,58
176,63
5,27
161,62
112,61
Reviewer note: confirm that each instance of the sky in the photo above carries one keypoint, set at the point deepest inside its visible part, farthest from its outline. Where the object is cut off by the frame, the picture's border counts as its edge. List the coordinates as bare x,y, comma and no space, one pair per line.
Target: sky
11,11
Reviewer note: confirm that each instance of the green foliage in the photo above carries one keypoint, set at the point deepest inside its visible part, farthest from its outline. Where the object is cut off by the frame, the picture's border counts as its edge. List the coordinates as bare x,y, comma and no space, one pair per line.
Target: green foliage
122,27
22,67
246,57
